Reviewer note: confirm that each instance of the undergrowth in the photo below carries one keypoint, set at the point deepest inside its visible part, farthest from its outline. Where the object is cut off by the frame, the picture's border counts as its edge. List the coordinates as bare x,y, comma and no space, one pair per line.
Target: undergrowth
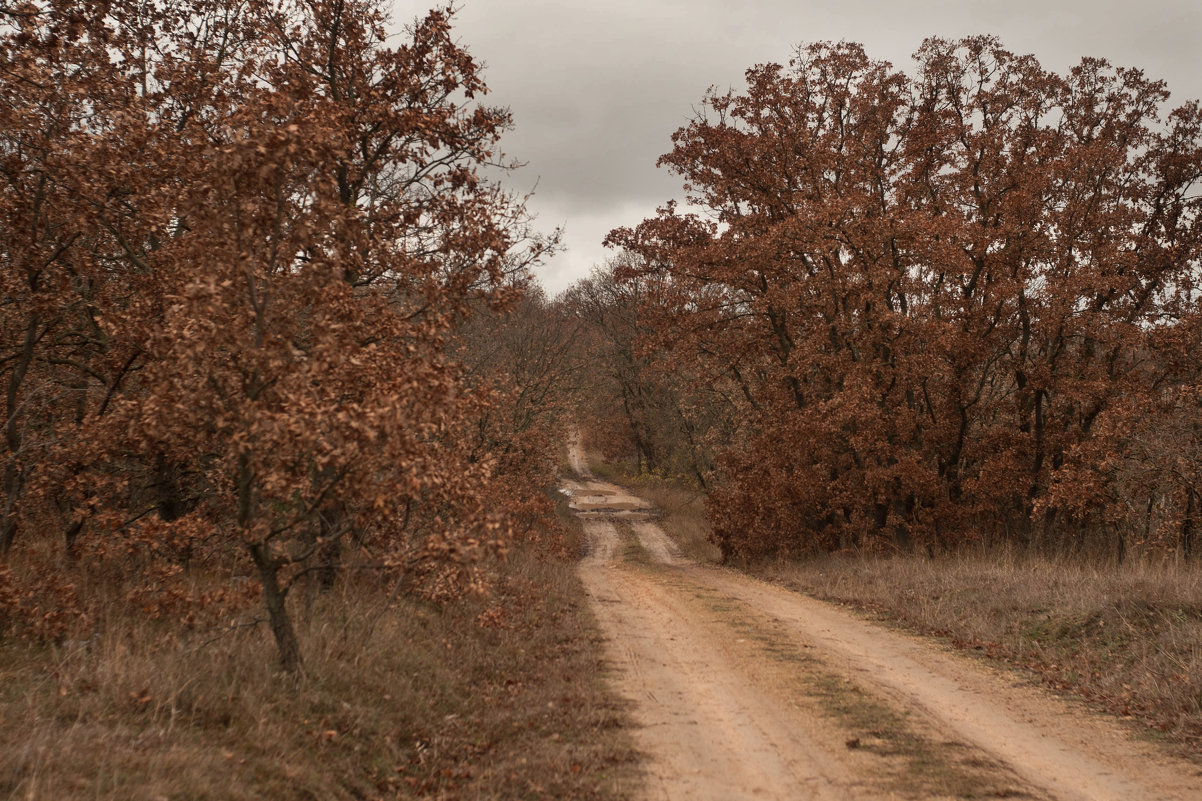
489,699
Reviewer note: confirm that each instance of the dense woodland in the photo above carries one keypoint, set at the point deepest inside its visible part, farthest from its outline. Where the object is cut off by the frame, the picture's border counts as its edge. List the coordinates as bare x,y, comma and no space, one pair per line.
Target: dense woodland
267,327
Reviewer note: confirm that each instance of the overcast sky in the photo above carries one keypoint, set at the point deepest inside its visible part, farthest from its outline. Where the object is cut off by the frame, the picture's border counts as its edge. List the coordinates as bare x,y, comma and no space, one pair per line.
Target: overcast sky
597,87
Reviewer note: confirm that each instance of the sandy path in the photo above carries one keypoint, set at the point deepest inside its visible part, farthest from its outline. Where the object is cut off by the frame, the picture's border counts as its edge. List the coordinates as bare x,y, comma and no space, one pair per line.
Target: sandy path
713,736
742,689
1052,745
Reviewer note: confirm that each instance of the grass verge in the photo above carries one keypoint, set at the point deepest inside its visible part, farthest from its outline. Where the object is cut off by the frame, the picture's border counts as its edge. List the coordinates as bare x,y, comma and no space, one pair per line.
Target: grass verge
1126,638
496,700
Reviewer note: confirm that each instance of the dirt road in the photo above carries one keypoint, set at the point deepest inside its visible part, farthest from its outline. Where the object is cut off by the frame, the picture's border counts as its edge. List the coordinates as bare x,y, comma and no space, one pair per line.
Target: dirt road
744,690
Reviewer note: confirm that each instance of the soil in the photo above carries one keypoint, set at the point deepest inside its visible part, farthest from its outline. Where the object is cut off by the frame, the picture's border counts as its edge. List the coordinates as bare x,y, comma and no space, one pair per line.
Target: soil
743,690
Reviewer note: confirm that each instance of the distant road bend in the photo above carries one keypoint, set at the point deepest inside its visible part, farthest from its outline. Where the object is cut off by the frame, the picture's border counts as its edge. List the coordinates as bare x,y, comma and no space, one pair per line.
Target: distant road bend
744,690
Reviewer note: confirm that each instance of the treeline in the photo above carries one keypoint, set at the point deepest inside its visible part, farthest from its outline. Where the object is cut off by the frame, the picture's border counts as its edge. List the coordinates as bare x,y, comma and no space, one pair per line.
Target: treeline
918,311
264,323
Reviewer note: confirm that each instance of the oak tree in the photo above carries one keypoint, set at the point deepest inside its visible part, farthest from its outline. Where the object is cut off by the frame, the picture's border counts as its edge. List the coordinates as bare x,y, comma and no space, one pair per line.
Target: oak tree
238,238
922,292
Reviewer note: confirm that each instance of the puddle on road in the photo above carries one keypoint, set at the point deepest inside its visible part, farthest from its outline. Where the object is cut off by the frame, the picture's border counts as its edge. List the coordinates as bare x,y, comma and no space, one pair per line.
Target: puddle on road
591,501
633,515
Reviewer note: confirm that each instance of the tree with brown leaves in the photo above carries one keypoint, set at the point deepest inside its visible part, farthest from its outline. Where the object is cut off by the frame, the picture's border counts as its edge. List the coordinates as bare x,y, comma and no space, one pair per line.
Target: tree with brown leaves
637,403
237,237
923,292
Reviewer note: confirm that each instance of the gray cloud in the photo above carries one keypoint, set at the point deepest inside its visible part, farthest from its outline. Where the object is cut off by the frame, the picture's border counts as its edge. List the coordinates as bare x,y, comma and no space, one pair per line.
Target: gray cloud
597,88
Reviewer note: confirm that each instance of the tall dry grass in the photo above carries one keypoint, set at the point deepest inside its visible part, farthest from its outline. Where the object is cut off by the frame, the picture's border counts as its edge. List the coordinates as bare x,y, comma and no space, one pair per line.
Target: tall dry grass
492,699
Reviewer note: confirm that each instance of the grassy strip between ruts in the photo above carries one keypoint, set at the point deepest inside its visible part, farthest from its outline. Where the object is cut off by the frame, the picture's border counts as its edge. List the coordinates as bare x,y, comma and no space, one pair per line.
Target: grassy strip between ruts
905,758
496,700
1127,638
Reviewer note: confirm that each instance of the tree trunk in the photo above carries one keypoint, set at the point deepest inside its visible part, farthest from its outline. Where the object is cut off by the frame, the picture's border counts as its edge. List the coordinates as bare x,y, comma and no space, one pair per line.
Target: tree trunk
12,491
13,473
329,555
1187,525
274,596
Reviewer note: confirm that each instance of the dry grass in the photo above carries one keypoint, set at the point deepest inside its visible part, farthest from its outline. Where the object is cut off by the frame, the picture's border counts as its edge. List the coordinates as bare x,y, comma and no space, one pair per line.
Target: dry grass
1128,638
398,700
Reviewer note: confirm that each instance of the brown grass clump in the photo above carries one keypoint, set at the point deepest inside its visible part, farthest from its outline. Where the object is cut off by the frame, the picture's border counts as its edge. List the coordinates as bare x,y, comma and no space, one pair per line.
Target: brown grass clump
1127,637
399,699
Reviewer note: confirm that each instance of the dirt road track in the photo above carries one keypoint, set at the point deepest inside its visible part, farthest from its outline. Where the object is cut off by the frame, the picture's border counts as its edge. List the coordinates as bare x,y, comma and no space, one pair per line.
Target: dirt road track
745,690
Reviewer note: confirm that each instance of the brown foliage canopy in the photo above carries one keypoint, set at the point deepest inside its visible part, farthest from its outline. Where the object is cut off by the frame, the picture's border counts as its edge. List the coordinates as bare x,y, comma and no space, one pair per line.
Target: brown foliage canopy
936,302
236,239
